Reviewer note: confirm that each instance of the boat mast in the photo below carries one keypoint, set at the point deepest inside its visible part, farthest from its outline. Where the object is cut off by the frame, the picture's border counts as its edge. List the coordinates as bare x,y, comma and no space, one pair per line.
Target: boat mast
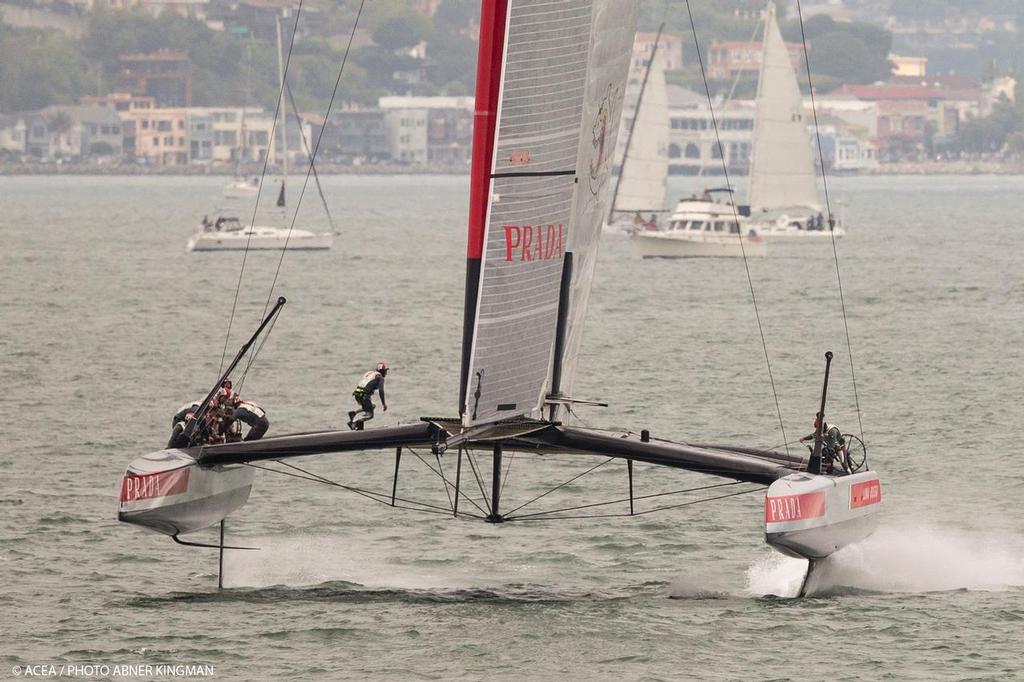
815,464
488,86
242,150
284,114
632,124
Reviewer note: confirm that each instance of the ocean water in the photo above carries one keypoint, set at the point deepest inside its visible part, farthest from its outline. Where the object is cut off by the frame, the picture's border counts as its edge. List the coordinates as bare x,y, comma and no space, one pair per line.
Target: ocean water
107,325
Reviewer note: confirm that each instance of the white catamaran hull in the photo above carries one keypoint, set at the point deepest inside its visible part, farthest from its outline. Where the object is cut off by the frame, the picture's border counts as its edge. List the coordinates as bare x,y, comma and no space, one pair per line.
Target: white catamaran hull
678,244
812,516
265,239
168,492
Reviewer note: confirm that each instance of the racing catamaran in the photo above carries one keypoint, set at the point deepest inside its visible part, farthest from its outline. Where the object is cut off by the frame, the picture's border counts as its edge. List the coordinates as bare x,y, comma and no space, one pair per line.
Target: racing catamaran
549,94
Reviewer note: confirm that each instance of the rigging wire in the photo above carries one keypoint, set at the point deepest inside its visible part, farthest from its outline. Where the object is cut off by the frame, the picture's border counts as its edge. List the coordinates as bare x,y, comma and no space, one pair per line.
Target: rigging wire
627,499
640,513
259,191
479,482
309,170
309,154
382,498
447,483
831,218
255,353
560,485
316,148
508,468
736,218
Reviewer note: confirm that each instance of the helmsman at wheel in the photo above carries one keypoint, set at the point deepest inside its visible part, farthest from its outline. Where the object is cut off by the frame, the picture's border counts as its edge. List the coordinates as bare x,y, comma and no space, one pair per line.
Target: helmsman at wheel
371,381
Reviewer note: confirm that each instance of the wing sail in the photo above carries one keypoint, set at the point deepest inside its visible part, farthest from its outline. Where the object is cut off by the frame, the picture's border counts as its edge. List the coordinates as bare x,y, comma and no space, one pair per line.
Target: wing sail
558,103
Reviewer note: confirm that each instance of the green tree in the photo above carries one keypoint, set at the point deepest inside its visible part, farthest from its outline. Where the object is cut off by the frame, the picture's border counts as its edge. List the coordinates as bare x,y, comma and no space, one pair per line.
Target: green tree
39,68
846,52
400,32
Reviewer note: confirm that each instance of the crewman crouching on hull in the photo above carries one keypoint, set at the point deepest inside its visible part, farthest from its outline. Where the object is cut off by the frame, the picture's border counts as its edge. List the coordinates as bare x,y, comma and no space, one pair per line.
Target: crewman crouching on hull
222,422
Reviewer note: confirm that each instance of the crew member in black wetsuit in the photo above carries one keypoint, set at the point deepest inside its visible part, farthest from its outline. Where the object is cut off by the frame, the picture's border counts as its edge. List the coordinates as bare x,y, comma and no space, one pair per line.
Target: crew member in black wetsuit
371,381
833,444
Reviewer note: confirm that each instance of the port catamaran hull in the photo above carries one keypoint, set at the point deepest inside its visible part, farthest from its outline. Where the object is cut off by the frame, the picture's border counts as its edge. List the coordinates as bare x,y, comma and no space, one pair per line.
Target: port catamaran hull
170,493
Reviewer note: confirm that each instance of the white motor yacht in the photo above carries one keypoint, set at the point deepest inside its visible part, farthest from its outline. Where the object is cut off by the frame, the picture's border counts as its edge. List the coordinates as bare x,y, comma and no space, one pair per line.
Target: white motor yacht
700,226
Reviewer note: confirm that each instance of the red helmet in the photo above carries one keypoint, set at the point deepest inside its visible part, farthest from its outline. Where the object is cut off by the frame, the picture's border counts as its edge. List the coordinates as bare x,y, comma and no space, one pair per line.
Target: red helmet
382,367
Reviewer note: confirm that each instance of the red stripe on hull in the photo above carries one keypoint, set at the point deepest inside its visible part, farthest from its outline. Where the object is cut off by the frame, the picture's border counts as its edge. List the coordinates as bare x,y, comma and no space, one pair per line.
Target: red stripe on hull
866,493
159,484
794,507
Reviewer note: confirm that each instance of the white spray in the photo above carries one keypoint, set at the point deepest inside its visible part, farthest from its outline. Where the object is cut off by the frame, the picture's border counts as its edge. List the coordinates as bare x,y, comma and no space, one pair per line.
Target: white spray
903,556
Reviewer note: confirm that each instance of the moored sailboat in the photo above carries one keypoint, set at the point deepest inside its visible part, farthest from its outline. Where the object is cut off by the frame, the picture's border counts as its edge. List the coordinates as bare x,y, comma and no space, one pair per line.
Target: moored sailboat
227,233
638,196
783,198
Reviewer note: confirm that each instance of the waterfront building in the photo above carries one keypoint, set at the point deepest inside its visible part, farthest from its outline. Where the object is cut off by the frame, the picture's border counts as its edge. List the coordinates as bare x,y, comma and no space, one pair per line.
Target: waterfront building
165,75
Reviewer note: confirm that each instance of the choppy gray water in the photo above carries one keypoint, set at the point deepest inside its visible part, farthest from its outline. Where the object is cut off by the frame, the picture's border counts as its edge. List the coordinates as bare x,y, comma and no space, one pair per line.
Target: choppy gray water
107,326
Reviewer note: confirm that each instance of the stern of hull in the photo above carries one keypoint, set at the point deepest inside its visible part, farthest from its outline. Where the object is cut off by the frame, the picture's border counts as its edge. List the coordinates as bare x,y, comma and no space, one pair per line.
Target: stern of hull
812,516
168,492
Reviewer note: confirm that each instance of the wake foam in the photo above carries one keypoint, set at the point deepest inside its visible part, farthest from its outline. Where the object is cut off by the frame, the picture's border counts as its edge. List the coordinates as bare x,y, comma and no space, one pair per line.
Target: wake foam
315,559
902,556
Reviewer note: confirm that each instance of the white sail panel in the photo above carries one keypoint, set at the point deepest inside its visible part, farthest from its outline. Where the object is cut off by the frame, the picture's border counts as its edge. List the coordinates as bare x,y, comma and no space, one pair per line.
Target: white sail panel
530,213
645,165
781,166
610,52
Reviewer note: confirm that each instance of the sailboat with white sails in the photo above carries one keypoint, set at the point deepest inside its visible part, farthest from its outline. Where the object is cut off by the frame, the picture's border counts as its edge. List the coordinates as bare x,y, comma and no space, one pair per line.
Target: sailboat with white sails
784,204
225,232
549,94
639,192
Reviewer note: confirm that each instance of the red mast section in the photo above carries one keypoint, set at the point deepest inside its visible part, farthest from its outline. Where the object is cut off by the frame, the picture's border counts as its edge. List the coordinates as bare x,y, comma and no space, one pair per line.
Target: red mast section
493,15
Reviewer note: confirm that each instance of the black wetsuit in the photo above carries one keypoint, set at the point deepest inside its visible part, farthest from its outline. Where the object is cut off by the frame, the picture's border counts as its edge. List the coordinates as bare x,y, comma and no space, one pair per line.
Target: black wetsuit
832,445
251,414
245,411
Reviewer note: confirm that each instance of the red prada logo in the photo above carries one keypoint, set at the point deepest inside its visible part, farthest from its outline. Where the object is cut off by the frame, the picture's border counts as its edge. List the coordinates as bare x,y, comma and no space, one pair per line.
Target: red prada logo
534,242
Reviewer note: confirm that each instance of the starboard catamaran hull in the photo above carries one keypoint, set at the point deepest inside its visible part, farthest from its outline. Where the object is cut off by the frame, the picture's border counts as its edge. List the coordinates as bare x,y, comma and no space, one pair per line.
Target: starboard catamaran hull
812,516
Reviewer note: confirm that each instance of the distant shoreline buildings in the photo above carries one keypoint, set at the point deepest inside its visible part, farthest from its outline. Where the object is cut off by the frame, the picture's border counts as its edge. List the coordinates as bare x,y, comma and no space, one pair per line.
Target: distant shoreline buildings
150,122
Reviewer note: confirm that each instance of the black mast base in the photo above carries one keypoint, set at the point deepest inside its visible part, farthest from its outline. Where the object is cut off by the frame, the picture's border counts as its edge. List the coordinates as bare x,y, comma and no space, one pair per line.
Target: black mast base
495,518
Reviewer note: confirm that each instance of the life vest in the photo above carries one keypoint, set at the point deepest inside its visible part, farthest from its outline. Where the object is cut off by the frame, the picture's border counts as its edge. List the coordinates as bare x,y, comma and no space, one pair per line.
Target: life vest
369,382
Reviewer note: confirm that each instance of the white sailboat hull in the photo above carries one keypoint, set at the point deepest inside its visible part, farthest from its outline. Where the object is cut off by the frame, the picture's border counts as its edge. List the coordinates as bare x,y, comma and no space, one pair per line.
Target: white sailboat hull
262,239
793,229
679,244
812,516
796,236
241,191
168,492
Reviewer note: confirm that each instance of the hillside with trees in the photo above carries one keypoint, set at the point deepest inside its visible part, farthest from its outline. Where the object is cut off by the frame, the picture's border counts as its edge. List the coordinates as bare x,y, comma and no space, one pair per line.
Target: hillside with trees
396,51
